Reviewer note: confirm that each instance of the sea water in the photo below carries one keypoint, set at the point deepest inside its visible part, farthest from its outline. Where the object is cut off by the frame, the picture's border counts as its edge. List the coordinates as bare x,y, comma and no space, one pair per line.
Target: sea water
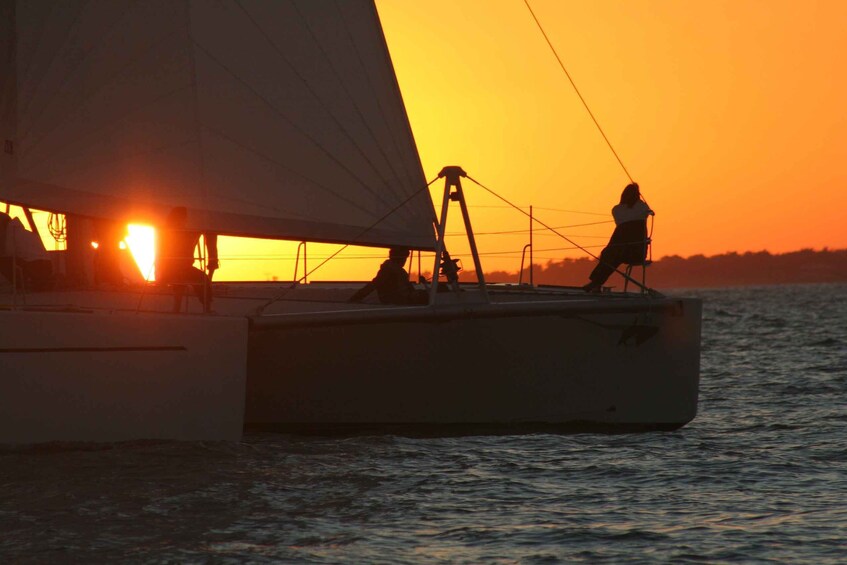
759,476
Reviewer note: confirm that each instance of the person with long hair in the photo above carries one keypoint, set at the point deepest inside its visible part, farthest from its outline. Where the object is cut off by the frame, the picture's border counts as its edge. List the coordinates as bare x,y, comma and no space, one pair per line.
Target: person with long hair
628,243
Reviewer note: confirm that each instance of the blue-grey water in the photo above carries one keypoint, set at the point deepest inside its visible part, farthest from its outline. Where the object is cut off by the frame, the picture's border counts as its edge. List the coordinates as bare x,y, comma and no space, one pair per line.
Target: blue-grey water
759,476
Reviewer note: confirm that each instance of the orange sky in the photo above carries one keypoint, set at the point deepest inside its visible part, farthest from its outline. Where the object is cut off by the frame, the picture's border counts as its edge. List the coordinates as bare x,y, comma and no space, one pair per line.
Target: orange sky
730,115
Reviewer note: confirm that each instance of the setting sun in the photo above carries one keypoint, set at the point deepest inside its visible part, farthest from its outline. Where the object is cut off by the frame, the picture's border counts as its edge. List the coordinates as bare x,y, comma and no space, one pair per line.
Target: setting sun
141,241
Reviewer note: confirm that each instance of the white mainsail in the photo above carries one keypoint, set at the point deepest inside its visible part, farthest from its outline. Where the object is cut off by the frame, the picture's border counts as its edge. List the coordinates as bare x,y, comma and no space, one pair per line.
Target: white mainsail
266,119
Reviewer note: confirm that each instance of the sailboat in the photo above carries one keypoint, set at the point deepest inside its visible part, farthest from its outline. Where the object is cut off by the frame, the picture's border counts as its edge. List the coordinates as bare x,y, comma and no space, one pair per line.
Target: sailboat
278,120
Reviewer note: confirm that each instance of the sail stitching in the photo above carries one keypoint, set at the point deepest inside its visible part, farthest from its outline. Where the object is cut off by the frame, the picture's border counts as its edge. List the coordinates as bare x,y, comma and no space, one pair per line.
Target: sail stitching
316,97
150,151
106,83
16,52
389,64
284,117
377,99
58,49
27,150
132,60
72,71
106,126
68,32
286,168
354,103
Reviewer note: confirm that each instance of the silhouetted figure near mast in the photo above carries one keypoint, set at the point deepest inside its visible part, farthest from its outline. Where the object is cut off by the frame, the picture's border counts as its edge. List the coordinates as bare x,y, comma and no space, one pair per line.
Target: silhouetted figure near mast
628,243
175,259
392,283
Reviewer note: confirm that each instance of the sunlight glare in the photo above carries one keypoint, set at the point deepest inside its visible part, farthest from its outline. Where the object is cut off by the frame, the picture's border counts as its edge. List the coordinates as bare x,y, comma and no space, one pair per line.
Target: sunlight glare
141,241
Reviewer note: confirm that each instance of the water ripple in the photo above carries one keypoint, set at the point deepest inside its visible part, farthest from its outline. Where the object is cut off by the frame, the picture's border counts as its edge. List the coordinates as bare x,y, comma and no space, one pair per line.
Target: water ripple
757,477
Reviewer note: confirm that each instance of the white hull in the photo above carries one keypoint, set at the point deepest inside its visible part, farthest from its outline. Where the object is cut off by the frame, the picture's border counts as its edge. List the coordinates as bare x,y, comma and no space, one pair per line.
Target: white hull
313,363
92,377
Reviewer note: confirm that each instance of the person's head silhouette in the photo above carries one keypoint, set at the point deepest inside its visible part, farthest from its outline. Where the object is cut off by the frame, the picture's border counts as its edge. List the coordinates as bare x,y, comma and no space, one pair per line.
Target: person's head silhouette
177,217
630,194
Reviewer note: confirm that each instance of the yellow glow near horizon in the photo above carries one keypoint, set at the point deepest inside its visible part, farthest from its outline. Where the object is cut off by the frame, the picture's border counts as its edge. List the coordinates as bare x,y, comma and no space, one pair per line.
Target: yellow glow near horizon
141,241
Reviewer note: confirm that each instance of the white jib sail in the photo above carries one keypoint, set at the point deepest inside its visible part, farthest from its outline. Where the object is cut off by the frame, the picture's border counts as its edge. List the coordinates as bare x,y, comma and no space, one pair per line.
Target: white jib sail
268,119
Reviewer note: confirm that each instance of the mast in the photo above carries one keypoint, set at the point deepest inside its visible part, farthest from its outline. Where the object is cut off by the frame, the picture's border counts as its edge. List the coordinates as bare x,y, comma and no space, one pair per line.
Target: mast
443,263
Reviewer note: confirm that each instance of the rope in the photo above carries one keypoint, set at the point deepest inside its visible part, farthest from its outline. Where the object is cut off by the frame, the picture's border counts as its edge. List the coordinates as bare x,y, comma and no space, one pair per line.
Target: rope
512,232
576,245
285,291
604,214
573,84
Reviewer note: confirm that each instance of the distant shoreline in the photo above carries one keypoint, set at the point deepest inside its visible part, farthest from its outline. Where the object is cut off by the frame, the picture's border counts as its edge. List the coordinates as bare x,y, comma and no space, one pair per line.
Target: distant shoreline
698,271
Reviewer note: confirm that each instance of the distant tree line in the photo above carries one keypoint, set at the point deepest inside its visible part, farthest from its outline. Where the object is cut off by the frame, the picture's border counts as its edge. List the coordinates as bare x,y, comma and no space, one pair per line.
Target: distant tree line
729,269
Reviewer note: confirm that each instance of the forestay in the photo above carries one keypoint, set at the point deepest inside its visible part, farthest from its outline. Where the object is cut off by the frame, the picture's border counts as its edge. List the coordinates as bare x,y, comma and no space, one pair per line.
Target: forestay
267,119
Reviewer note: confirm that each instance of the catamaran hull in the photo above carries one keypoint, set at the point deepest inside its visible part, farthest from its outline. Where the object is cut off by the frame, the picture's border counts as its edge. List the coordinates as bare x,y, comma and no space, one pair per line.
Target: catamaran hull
95,377
610,368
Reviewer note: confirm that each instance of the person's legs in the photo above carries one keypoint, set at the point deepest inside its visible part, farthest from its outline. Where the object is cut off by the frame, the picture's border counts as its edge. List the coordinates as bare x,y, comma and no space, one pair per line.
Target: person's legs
179,292
202,288
196,279
610,258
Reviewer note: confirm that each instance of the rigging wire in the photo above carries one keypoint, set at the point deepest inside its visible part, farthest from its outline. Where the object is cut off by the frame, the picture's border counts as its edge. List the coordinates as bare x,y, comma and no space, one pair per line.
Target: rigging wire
285,291
519,209
578,93
512,232
604,214
584,249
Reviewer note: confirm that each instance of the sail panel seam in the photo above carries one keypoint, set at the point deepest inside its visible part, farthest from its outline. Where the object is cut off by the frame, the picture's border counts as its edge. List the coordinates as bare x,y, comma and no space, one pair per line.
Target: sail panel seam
23,80
373,192
359,113
291,67
282,166
287,120
105,84
377,99
75,141
59,92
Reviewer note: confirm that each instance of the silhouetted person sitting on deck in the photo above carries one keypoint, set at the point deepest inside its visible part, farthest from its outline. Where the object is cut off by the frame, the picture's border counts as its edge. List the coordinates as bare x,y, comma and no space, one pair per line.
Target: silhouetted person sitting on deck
175,259
392,283
628,243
